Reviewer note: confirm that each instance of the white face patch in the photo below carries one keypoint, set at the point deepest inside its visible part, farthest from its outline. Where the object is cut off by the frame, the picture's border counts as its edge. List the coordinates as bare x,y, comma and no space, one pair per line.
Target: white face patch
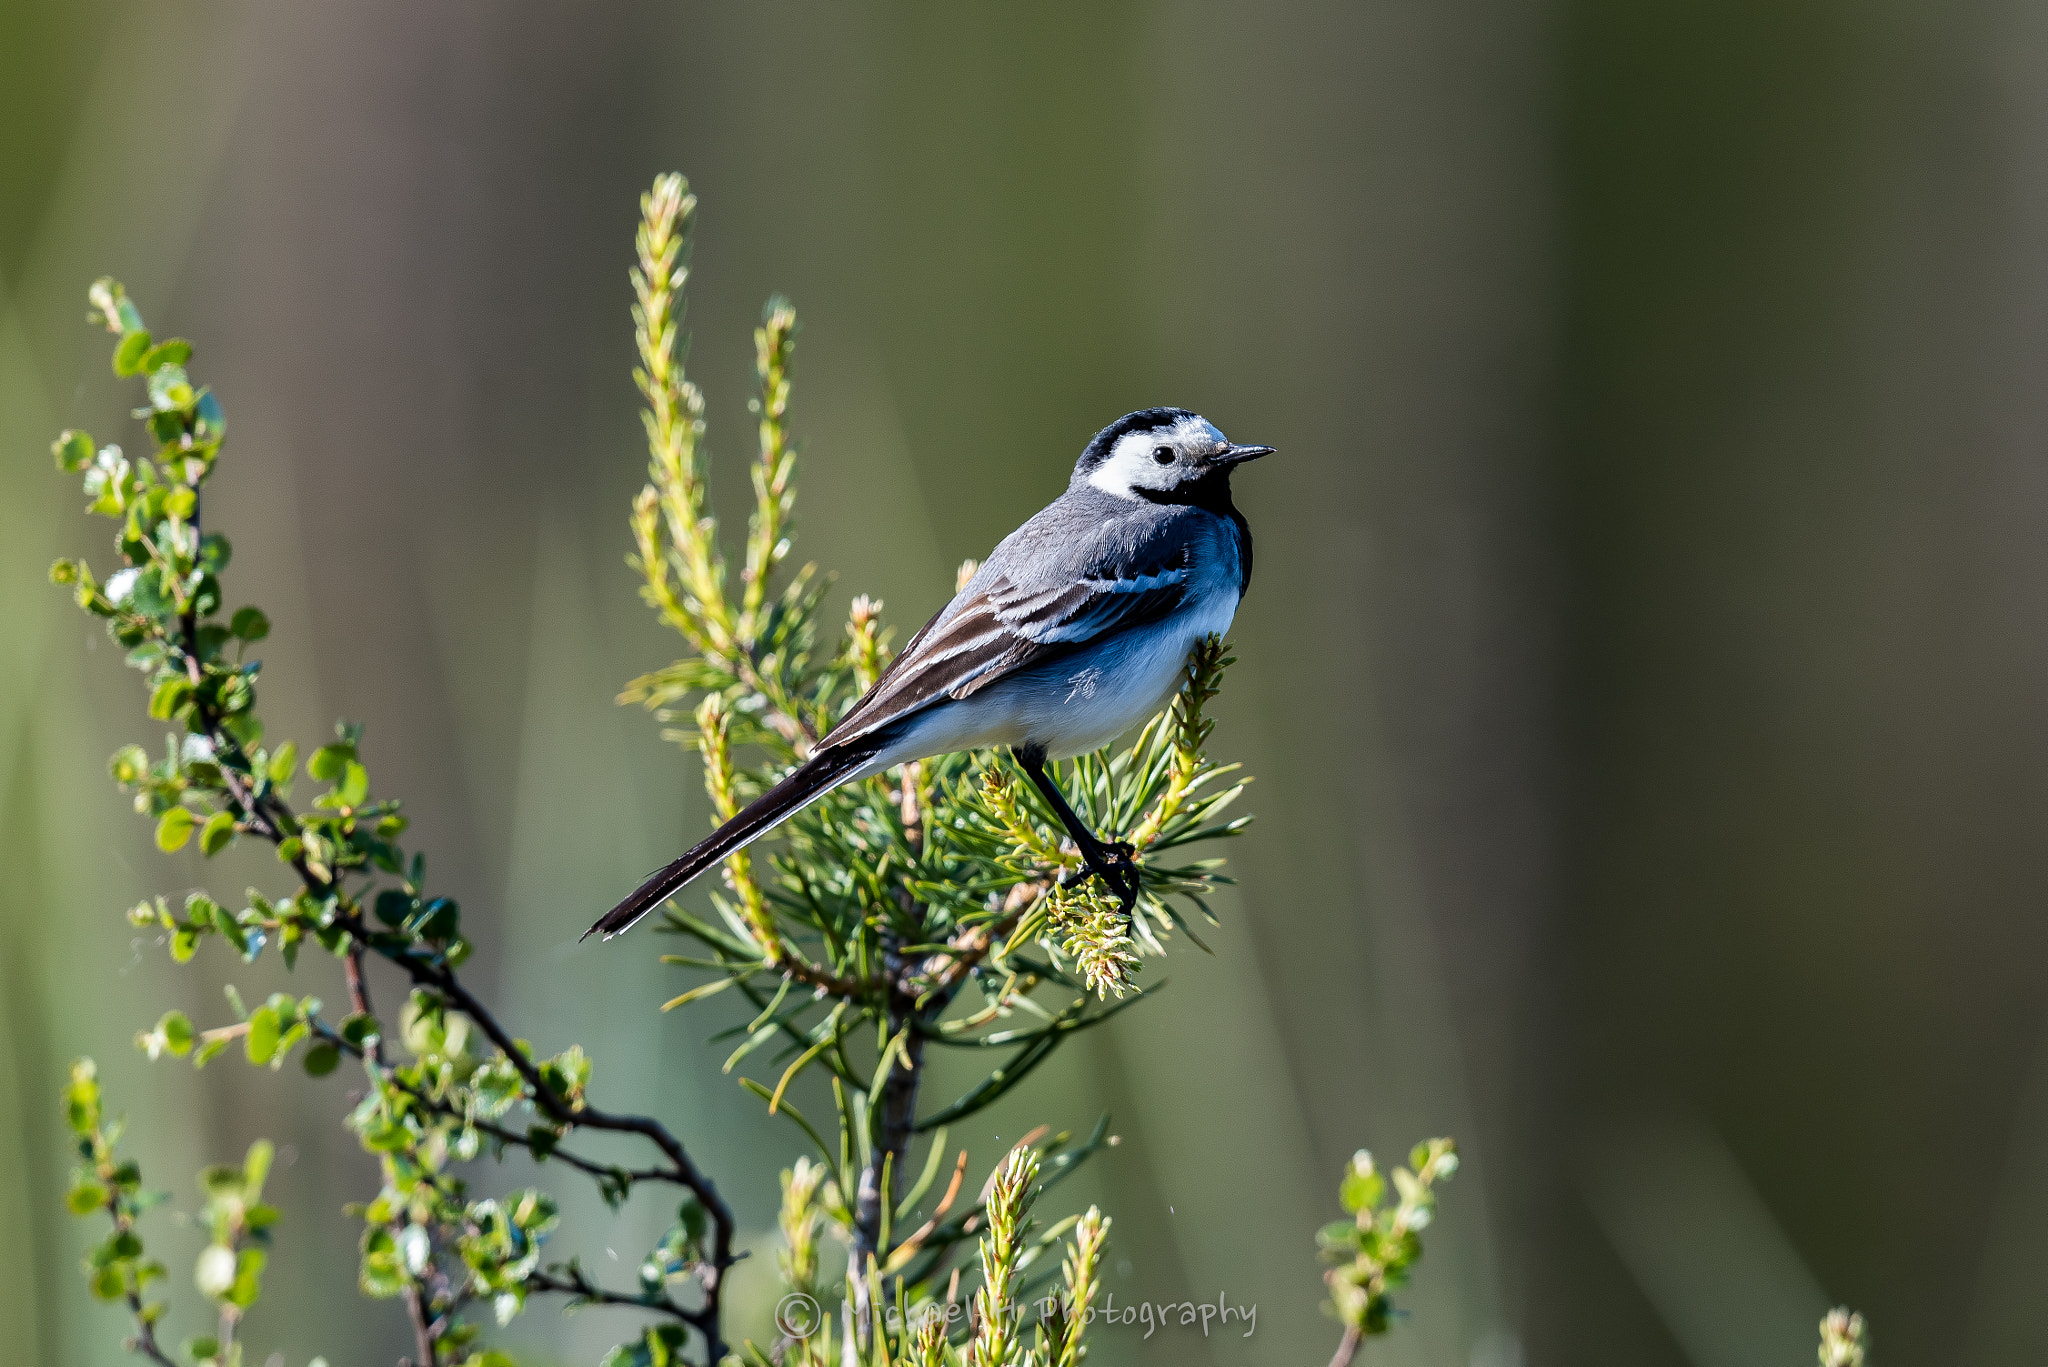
1132,466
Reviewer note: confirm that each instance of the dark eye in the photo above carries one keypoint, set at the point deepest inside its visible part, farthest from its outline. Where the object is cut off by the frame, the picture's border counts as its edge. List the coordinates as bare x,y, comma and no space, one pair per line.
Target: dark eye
1163,454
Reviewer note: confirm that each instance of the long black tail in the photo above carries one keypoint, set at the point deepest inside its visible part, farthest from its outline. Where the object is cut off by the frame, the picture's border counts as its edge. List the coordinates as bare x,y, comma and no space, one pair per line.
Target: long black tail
805,784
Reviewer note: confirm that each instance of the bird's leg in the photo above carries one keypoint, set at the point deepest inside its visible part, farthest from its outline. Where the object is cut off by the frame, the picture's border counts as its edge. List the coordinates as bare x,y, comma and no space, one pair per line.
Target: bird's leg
1113,861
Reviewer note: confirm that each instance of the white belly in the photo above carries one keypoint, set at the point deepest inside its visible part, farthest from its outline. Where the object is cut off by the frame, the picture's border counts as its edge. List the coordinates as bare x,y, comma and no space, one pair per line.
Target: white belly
1083,703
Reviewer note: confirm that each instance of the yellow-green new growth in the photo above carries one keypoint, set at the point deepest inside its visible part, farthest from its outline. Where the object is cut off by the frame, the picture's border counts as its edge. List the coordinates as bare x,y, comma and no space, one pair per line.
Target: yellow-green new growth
995,1342
1841,1338
929,1348
774,491
744,644
1191,727
800,1221
1081,1272
715,741
867,642
1094,932
999,789
673,500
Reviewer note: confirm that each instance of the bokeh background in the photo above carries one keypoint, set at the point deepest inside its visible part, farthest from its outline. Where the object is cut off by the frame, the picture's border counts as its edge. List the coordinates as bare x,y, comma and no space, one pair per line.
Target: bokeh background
1644,674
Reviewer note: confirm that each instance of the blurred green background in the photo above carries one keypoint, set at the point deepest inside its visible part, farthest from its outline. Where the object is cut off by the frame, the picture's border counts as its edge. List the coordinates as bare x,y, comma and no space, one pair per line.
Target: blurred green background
1644,675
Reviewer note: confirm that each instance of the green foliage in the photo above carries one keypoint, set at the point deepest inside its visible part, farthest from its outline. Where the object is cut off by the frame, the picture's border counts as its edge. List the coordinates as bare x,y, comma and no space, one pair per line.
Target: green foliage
228,1271
1375,1251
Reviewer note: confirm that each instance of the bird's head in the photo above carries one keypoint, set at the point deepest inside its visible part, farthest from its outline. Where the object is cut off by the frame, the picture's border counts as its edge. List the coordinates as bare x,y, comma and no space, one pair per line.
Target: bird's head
1162,455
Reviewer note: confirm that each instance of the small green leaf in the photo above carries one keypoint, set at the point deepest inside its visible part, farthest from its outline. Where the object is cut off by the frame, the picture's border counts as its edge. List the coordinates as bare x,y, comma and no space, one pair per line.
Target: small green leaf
219,830
85,1198
128,355
249,624
264,1030
213,422
322,1059
176,1028
1361,1190
329,761
393,905
170,696
176,351
245,727
108,1284
214,552
438,920
82,1097
354,786
256,1167
282,764
169,388
130,765
248,1278
295,1031
174,828
73,450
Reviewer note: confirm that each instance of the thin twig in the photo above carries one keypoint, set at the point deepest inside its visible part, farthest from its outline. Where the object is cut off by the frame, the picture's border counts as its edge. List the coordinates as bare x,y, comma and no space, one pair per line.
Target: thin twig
422,1327
144,1341
372,1055
577,1285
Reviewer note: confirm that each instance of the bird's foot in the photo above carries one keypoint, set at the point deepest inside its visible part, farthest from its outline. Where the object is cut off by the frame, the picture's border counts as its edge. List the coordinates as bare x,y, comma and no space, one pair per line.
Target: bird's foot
1124,858
1117,867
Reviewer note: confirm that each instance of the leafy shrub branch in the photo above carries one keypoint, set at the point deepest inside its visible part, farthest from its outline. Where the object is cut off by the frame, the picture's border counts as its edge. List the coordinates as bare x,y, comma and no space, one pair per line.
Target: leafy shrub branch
464,1080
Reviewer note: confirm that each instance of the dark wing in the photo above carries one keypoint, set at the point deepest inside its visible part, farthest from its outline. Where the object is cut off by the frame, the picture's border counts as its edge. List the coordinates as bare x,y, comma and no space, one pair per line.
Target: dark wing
997,627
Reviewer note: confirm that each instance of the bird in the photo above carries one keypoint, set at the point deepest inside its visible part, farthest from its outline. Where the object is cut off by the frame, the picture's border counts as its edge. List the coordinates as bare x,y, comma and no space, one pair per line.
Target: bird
1075,629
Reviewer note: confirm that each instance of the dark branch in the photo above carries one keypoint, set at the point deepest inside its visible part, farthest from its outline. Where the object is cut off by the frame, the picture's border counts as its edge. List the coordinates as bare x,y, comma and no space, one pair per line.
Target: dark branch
569,1280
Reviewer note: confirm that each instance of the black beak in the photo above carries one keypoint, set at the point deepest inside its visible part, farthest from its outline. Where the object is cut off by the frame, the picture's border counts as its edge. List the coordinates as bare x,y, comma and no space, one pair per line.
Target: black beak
1237,455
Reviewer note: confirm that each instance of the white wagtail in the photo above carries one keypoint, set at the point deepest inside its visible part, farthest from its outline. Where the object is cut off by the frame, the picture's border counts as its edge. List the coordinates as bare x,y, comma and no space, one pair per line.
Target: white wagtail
1074,631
